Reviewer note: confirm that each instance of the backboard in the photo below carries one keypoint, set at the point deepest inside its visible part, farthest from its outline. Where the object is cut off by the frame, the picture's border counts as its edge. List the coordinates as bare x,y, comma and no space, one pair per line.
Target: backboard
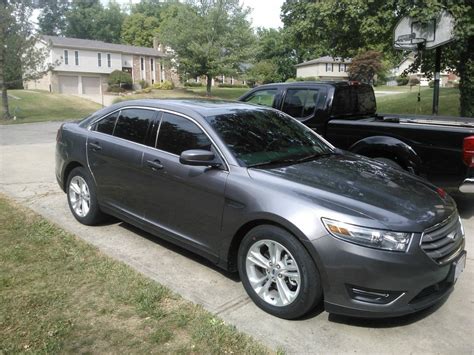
409,33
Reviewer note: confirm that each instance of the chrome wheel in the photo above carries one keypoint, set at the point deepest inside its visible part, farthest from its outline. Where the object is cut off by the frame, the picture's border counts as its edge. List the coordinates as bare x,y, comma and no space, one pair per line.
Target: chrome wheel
273,272
79,196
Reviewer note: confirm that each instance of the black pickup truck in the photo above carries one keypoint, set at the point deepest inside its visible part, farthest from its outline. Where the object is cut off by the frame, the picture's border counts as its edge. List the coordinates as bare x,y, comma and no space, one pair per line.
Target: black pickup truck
438,148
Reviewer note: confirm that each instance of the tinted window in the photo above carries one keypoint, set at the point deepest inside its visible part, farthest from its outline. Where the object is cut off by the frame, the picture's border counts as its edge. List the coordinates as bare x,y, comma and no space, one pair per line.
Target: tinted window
262,97
132,124
107,124
300,103
353,100
178,134
265,136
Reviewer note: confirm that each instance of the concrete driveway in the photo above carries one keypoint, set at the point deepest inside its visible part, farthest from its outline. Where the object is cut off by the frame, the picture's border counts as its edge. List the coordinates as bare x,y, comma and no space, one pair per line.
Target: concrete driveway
27,175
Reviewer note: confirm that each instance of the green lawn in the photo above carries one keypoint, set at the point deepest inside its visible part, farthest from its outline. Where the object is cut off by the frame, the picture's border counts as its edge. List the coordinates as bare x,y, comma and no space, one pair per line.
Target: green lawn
59,294
407,102
36,106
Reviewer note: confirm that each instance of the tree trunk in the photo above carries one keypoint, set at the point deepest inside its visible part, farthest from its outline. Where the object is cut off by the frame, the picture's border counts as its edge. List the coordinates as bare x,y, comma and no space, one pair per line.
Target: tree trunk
208,85
4,111
466,82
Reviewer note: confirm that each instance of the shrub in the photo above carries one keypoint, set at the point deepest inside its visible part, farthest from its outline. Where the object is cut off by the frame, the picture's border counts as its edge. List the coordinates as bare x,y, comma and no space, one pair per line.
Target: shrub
414,81
115,88
194,85
143,84
402,80
165,85
290,80
431,84
120,79
232,86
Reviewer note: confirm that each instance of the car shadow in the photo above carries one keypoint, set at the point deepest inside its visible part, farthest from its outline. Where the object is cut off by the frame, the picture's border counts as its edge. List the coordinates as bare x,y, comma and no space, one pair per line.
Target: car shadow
233,276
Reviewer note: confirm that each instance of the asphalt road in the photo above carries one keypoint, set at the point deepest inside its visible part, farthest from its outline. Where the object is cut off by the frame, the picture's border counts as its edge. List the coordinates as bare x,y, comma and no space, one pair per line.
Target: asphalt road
27,175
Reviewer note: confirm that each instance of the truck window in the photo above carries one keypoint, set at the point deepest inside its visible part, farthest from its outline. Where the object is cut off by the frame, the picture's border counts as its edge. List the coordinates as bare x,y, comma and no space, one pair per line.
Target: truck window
262,97
300,103
353,100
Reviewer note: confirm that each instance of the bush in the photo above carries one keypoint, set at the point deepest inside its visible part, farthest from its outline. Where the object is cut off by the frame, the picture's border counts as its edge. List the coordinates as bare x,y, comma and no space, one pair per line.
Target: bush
115,88
120,79
307,78
241,86
165,85
414,81
143,84
431,84
194,85
402,80
290,80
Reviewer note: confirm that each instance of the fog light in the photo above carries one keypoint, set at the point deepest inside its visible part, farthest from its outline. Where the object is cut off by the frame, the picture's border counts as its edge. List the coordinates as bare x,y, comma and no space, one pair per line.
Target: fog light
373,296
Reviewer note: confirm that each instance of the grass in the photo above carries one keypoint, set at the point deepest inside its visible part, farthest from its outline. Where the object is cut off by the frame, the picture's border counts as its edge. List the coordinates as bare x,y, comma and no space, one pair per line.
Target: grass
59,294
407,102
216,93
39,106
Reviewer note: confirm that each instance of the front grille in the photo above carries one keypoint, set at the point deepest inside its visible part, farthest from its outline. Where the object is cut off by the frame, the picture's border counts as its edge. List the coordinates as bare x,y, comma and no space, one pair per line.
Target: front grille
445,241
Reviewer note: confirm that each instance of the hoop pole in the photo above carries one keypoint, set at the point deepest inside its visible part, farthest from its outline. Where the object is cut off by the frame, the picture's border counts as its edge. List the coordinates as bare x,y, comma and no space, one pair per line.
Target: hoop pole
436,80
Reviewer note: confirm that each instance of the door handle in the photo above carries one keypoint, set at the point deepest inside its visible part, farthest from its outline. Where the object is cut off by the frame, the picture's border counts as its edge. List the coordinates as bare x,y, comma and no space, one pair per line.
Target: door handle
154,164
95,146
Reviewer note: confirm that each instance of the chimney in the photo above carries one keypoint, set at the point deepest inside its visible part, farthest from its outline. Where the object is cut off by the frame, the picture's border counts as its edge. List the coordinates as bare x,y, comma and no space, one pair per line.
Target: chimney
156,43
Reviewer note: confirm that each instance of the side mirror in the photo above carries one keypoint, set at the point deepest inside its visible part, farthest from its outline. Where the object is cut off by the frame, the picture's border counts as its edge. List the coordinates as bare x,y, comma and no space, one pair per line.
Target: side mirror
198,157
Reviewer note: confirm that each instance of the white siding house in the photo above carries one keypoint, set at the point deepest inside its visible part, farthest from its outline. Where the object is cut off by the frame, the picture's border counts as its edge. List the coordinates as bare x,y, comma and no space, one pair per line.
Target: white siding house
82,66
324,68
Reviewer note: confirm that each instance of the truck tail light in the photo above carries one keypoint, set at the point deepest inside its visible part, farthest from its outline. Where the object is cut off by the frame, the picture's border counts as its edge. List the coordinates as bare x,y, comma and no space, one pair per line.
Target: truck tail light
59,133
468,151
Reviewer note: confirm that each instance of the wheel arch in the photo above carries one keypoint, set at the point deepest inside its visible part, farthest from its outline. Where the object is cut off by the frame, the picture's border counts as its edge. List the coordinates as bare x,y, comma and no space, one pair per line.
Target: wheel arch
67,170
391,148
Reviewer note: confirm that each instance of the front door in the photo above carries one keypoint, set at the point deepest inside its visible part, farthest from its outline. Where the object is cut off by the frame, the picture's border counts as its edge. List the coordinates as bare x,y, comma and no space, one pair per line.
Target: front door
185,200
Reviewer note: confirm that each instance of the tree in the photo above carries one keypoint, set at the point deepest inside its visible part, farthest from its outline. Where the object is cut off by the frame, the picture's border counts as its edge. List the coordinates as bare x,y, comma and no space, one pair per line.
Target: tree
52,19
208,37
18,50
274,47
88,19
365,66
344,27
262,72
139,30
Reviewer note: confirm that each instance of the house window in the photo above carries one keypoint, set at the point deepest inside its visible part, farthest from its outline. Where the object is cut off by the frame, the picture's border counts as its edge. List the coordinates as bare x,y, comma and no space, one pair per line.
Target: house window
66,57
152,62
99,59
329,67
76,57
109,61
142,64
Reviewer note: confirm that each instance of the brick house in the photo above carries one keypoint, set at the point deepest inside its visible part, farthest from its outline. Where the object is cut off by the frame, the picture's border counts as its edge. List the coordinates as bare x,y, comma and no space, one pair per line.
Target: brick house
82,66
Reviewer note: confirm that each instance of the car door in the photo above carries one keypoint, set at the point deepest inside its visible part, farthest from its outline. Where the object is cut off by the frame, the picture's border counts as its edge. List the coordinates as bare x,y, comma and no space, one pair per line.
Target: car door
185,200
115,151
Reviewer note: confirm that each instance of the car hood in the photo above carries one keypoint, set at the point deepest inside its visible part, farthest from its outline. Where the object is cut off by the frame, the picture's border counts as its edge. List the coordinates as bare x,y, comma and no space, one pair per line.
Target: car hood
348,182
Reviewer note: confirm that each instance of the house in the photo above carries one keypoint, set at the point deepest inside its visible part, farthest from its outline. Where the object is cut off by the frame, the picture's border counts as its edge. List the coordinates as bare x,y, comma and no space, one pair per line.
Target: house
447,78
324,68
81,66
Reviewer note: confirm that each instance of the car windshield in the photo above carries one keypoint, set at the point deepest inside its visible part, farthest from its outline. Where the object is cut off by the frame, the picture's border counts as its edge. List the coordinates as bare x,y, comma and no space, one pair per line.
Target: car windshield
260,137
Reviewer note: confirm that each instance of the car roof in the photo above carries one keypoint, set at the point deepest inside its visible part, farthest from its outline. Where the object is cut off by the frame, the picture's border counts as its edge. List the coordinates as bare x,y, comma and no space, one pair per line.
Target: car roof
191,107
306,83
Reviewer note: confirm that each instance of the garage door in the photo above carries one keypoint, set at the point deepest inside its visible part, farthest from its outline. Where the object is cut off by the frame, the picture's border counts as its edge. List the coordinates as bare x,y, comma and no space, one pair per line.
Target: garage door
90,85
68,84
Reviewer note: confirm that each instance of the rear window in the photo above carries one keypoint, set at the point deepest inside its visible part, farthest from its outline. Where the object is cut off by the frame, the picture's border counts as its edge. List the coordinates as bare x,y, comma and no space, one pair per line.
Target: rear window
353,100
300,103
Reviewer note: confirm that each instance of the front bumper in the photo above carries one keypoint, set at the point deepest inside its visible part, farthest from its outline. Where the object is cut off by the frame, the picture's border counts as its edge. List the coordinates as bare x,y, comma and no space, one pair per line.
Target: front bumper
353,276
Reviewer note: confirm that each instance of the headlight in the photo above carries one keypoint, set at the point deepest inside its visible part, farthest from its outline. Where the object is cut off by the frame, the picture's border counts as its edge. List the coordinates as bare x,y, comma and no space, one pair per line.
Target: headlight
368,237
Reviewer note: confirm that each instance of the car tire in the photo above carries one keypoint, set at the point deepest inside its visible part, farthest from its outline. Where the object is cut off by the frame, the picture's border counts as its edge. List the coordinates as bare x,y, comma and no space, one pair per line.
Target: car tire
271,288
82,197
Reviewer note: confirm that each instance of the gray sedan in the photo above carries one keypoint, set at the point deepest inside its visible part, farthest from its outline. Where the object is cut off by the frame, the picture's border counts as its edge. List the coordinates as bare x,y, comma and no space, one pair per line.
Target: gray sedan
254,190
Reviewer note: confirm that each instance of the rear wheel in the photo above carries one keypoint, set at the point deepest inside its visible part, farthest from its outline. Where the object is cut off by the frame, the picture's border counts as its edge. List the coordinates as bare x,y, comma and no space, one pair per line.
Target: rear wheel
82,198
278,273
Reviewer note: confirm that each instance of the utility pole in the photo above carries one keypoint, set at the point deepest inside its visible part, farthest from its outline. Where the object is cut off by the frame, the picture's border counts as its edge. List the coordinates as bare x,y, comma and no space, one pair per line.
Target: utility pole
437,76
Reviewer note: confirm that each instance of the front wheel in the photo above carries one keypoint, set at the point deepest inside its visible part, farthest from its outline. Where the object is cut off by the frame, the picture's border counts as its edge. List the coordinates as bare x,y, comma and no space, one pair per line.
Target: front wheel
278,273
82,198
